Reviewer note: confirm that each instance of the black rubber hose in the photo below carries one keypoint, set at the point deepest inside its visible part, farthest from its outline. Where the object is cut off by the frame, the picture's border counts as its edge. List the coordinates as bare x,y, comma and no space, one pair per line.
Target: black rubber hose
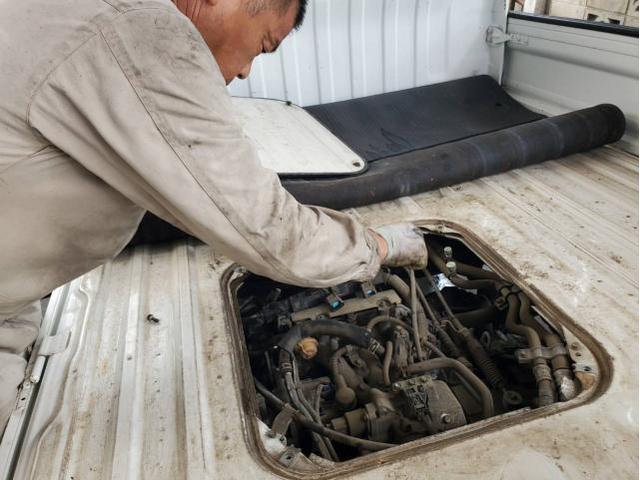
373,323
435,248
479,317
475,348
458,281
400,286
404,291
352,333
560,363
345,395
414,312
551,339
457,162
541,370
483,360
476,383
321,429
386,364
447,342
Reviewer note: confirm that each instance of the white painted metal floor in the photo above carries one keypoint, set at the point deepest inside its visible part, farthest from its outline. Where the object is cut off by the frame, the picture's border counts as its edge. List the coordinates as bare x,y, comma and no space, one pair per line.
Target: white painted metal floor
131,399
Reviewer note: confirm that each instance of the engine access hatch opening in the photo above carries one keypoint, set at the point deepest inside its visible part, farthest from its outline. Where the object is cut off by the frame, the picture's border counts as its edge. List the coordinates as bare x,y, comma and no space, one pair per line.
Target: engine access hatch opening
337,374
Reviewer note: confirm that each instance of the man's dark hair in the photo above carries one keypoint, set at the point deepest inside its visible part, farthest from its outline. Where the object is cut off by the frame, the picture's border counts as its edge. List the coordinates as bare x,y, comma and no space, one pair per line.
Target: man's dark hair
302,10
281,6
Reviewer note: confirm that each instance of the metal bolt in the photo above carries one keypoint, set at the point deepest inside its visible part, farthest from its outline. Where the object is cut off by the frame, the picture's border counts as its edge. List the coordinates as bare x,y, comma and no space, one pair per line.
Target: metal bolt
448,253
575,346
451,268
445,418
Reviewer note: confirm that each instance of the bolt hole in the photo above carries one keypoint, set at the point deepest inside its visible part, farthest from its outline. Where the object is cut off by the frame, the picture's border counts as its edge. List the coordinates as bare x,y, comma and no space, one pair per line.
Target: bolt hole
587,369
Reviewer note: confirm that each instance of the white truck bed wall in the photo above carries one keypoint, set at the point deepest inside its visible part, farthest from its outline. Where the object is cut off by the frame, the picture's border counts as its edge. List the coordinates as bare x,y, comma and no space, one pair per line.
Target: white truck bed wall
356,48
554,69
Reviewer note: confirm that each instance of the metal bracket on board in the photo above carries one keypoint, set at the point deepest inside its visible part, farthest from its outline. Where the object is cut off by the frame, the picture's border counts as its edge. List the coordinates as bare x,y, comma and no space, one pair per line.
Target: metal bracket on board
496,36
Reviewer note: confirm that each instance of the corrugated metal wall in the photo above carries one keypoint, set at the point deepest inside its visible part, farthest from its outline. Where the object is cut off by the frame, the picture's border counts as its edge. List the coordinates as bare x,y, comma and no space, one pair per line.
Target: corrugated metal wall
355,48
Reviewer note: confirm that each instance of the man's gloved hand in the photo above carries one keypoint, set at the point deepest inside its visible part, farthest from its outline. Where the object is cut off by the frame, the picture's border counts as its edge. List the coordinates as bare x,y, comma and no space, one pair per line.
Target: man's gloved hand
405,246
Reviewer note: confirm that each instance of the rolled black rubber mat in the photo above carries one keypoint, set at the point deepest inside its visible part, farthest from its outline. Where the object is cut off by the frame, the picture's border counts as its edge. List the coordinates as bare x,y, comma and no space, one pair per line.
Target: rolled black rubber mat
448,164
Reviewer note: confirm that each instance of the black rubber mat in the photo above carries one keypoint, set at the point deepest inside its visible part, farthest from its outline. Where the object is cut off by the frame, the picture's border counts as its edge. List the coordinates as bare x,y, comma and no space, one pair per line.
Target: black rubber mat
395,123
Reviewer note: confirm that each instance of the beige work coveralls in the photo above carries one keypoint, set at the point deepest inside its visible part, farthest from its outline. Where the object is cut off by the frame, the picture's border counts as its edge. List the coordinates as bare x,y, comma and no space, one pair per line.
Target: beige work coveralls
109,108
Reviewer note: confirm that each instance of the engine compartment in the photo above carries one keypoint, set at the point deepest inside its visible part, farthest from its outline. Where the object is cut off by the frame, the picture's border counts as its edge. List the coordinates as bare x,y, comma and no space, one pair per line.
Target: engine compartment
362,367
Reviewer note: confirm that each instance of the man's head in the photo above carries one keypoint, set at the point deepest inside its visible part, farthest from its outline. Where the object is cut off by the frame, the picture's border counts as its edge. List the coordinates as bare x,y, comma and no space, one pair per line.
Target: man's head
237,31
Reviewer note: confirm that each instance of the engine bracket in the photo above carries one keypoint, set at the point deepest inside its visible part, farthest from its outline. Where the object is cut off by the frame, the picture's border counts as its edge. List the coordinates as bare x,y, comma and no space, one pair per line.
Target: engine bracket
526,355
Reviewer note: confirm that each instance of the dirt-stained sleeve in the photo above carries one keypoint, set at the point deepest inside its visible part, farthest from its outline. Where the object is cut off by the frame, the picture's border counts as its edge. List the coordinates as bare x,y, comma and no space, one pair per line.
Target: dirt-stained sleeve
144,107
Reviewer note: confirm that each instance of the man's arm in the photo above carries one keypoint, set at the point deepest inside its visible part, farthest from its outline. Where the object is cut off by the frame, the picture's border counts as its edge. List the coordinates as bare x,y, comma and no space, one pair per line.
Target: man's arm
142,106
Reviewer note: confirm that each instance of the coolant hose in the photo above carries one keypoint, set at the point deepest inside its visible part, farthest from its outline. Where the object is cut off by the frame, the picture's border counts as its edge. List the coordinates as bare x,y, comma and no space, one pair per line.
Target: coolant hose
475,348
560,363
478,317
404,291
468,375
386,364
345,395
541,370
388,319
400,286
351,333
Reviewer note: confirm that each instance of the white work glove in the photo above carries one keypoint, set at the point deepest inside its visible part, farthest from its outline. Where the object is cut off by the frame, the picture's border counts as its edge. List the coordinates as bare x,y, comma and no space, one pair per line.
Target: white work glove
405,245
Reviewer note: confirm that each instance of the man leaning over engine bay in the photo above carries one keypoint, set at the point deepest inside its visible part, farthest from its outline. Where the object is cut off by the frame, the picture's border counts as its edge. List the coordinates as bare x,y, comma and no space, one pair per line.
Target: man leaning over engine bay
123,109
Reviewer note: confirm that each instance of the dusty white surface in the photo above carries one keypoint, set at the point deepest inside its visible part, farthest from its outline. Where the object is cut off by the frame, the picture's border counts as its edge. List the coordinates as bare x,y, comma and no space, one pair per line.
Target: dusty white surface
289,140
133,399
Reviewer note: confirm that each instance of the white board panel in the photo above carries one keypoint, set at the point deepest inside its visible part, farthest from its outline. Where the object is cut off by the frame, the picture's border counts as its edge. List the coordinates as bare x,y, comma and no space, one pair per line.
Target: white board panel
355,48
289,140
